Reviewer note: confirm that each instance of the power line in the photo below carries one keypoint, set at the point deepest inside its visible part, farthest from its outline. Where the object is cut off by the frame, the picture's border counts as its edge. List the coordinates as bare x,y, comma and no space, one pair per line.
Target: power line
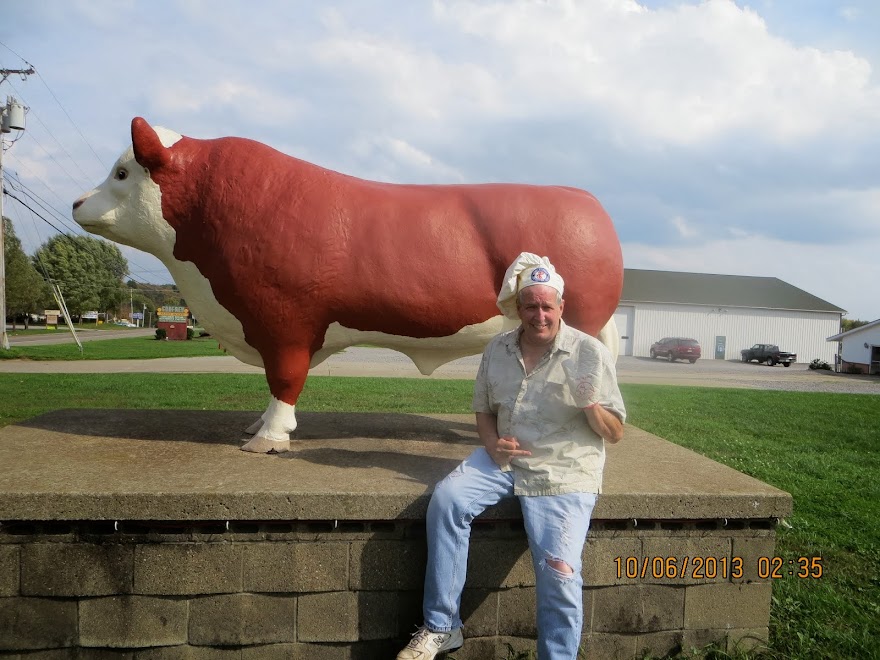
18,184
33,70
71,121
87,246
75,229
30,172
9,194
33,113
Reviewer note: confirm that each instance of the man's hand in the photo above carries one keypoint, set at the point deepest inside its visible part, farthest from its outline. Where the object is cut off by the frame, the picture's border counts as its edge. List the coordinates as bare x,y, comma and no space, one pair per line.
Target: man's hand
604,422
500,449
503,449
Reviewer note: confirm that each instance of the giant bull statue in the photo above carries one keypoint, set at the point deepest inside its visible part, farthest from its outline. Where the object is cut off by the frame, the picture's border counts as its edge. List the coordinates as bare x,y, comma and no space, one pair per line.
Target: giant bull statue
286,262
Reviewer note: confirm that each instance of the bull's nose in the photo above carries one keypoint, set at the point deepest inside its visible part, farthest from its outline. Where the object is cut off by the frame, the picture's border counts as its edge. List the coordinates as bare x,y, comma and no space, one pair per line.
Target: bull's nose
77,204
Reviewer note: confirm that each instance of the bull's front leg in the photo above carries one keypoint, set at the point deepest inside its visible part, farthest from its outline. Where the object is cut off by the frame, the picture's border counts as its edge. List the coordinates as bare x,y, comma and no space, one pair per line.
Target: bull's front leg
256,426
286,374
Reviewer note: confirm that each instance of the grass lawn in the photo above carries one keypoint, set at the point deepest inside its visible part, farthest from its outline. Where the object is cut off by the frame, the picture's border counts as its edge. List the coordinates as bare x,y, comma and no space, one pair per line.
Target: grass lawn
821,448
127,348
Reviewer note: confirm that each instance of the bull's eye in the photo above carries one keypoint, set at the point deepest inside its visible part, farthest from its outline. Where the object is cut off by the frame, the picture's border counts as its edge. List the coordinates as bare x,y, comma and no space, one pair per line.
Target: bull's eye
121,174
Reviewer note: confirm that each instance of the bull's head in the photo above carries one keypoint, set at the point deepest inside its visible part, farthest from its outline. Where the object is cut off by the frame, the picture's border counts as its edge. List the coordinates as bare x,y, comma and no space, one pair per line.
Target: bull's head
127,206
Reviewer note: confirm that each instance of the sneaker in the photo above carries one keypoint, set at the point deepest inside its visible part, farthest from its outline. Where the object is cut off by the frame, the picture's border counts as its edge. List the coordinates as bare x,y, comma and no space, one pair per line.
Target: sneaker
425,645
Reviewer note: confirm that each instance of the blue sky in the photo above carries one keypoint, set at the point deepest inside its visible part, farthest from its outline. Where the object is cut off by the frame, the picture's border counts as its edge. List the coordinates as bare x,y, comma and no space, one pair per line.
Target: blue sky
734,138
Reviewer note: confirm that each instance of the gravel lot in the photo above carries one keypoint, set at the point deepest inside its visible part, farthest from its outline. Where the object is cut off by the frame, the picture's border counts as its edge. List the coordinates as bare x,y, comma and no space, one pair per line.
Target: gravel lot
362,361
728,373
704,373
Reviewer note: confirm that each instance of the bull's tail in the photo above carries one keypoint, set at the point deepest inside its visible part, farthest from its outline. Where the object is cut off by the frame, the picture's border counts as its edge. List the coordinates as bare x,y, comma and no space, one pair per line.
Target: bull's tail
610,337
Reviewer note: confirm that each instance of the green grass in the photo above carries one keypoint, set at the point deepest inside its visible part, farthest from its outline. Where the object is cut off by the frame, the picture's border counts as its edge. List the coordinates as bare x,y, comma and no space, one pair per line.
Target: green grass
821,448
25,395
128,348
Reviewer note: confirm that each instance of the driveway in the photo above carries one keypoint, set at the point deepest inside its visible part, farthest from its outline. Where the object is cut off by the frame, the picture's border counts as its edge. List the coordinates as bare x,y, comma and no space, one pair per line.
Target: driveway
730,373
362,361
63,336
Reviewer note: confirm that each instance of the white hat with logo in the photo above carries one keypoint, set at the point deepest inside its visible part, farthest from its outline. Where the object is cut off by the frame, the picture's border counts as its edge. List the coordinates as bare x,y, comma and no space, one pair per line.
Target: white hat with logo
528,269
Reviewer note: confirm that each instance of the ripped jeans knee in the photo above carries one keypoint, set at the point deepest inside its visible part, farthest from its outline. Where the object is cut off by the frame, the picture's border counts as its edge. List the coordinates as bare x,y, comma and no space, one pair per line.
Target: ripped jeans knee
559,569
564,570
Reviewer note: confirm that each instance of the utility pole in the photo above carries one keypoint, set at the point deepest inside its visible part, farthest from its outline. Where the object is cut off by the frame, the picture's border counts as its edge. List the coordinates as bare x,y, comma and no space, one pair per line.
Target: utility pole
12,120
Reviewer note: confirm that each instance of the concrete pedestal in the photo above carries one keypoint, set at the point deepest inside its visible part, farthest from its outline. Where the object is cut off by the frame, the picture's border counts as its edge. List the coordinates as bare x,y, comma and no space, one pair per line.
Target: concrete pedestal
149,533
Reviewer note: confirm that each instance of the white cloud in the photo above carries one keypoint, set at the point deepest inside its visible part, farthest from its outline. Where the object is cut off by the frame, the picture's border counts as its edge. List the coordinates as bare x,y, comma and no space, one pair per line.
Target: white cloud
683,75
395,160
684,229
249,102
850,13
416,82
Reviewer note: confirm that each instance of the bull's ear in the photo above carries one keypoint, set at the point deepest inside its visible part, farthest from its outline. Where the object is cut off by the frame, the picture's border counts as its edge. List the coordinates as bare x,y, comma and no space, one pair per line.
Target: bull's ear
148,148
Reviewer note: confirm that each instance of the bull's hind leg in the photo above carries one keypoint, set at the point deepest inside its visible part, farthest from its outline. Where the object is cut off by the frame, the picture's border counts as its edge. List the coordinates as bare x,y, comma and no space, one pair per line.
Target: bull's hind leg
286,374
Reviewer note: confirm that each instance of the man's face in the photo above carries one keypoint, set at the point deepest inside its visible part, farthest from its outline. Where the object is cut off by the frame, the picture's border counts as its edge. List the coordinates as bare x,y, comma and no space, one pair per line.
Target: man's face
539,313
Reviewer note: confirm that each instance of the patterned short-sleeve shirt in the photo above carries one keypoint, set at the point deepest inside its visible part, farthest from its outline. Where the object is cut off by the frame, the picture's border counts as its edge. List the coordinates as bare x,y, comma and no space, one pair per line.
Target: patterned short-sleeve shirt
543,409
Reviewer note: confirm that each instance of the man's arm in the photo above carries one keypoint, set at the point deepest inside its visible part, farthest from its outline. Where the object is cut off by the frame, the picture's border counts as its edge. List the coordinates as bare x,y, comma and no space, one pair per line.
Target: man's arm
604,422
500,449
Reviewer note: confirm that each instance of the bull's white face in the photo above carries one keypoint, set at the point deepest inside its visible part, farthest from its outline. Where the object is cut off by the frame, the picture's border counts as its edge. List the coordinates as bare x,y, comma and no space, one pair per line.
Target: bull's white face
127,206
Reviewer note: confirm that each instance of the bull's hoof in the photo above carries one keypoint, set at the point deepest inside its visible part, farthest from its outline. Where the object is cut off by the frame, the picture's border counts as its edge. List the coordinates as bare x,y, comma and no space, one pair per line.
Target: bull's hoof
253,428
261,445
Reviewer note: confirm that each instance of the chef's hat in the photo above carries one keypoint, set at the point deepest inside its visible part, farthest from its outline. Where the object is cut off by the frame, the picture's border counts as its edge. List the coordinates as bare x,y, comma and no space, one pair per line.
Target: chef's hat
527,270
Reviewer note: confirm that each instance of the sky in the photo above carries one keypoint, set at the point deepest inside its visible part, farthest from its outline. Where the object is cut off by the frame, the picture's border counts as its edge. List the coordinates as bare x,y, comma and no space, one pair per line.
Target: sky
722,137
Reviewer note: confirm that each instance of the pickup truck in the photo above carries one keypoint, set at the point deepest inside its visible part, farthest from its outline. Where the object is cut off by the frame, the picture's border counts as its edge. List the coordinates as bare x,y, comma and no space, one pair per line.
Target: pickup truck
768,353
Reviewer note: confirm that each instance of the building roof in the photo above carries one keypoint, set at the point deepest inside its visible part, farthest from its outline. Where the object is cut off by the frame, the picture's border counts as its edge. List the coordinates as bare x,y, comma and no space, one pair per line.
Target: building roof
854,331
660,286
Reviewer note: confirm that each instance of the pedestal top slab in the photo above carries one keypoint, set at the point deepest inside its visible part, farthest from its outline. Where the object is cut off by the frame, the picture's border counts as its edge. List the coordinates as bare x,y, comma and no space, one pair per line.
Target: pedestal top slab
185,465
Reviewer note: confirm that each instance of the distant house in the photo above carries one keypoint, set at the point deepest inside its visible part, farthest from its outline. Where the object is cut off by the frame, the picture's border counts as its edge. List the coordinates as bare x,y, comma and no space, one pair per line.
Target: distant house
859,349
725,313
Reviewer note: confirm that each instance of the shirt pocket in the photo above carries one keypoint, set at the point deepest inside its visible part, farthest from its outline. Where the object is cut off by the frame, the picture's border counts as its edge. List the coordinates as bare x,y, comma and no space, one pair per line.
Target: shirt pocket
504,387
553,402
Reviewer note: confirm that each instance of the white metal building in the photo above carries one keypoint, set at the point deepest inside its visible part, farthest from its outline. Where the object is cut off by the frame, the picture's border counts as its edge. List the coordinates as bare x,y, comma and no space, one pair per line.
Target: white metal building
725,313
859,349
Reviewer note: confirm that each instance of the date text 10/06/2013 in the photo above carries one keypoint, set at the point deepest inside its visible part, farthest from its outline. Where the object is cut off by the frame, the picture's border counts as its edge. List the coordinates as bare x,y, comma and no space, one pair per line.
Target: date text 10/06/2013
713,568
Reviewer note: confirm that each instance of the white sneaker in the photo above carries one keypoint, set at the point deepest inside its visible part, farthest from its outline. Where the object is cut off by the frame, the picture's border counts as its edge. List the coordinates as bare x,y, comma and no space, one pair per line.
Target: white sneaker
425,645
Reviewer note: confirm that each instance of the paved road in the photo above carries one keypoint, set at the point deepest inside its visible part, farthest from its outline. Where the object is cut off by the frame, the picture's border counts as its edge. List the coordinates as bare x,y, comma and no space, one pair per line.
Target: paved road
360,361
63,336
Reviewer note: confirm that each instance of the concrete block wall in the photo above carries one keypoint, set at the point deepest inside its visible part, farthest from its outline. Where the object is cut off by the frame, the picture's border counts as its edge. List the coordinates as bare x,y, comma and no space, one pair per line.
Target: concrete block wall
353,589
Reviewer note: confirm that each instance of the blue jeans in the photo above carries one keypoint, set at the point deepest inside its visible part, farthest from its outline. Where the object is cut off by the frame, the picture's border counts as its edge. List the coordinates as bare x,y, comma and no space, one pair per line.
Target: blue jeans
556,526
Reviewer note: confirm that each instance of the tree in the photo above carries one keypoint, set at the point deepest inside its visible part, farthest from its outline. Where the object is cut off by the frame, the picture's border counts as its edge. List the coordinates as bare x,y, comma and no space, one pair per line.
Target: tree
851,324
26,291
88,271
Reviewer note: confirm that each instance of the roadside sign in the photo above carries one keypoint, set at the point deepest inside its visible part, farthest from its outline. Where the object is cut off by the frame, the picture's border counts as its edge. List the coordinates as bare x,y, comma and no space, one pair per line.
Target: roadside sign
171,314
52,317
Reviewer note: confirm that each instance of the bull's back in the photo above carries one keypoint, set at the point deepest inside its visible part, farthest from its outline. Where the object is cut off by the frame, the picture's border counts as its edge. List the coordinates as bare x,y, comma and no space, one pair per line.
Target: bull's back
443,250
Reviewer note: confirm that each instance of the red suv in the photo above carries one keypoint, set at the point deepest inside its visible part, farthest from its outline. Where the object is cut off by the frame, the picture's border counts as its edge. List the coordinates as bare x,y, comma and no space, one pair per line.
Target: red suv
676,348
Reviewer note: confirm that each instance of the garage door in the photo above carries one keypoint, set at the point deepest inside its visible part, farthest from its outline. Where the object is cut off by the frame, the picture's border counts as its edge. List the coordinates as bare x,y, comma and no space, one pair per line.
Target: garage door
623,317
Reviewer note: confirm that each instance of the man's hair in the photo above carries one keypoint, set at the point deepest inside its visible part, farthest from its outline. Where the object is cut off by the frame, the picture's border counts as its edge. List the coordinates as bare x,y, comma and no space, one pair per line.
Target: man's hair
520,292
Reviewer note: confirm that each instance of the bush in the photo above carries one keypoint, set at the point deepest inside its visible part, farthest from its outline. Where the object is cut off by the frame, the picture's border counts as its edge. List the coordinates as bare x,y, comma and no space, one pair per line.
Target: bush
820,364
190,333
161,333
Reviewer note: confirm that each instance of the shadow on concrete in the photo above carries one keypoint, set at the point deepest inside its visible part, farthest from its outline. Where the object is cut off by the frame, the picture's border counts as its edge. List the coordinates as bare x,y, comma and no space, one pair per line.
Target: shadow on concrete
227,427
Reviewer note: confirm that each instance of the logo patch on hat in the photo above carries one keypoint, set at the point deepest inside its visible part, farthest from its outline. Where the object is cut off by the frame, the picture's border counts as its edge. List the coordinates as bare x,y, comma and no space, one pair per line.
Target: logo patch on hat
540,275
